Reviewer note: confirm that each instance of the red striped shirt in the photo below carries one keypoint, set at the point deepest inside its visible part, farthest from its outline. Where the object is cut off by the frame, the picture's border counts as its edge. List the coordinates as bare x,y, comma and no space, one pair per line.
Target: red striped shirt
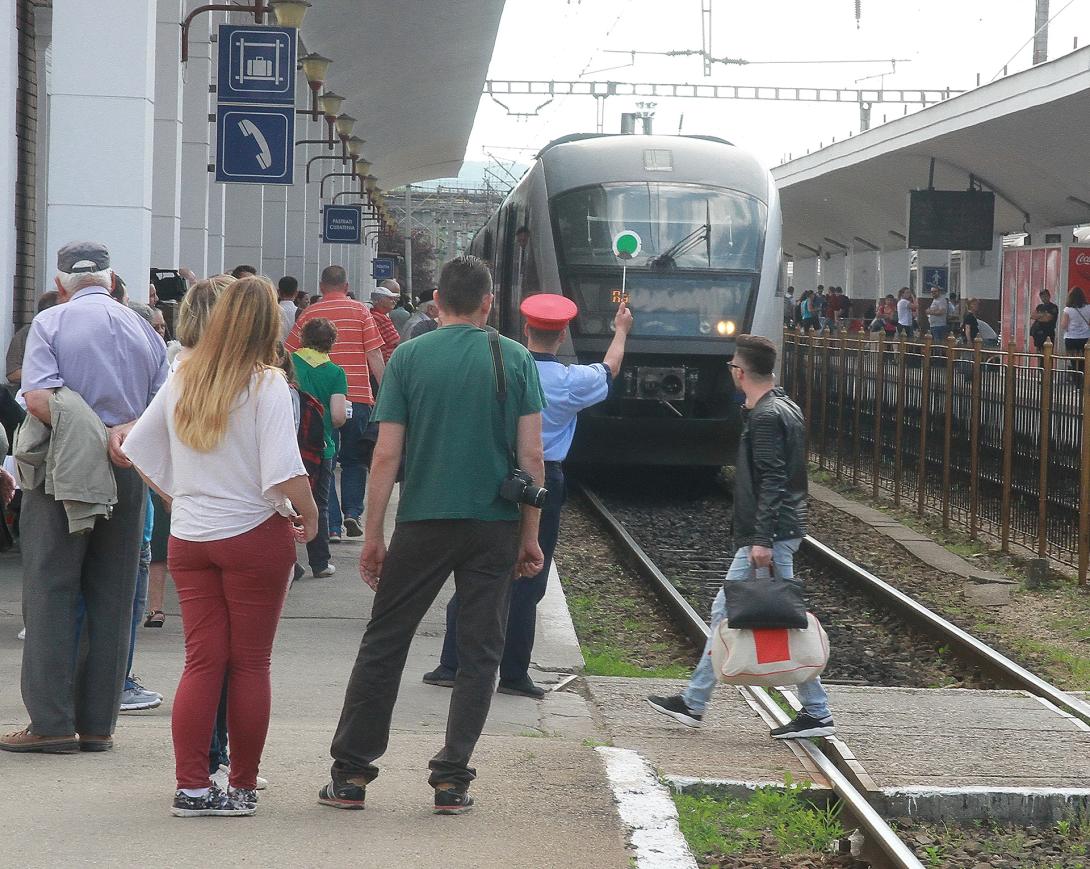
356,336
388,331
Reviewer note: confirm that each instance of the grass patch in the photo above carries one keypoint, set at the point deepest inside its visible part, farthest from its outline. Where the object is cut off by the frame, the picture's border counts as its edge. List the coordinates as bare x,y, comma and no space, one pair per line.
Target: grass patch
773,821
605,661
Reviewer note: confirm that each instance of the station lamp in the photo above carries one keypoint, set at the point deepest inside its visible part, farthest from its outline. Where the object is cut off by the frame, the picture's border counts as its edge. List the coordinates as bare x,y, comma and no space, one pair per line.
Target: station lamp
363,167
355,147
315,68
330,105
370,184
344,124
290,13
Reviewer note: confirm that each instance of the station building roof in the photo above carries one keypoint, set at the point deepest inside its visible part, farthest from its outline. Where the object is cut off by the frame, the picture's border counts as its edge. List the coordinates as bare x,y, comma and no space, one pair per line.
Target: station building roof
1022,136
412,75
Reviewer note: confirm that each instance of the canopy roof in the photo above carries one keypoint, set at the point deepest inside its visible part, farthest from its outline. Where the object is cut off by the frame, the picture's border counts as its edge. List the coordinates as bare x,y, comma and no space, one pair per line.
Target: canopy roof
1022,136
412,74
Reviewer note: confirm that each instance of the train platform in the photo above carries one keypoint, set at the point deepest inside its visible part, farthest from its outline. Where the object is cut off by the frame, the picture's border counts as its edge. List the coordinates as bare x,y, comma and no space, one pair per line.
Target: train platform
113,808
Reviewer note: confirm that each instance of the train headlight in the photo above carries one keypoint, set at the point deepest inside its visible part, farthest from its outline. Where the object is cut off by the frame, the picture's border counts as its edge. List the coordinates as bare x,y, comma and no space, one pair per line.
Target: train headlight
705,327
726,328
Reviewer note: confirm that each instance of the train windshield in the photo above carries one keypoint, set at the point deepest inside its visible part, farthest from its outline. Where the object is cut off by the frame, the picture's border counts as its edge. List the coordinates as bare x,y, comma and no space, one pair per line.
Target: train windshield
681,227
665,305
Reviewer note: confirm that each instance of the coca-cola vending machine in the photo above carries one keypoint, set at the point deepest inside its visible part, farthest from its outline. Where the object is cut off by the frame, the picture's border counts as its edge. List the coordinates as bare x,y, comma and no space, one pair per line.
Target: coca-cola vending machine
1078,273
1027,271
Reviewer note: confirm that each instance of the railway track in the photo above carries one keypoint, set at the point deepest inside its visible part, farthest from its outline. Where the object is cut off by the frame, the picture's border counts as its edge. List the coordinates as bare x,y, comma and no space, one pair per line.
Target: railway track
833,758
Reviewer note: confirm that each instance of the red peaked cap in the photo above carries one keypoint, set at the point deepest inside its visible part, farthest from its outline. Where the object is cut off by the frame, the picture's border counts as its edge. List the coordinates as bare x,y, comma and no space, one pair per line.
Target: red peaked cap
549,312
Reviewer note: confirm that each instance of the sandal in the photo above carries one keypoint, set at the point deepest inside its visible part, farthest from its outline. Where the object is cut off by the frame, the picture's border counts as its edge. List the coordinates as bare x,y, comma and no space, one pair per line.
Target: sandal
155,619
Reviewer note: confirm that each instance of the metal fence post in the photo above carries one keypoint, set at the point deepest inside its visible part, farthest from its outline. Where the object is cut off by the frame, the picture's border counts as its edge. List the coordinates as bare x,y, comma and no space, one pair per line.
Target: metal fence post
1047,365
809,388
798,363
857,406
841,386
974,439
1008,449
925,413
947,429
898,436
824,400
1084,474
879,390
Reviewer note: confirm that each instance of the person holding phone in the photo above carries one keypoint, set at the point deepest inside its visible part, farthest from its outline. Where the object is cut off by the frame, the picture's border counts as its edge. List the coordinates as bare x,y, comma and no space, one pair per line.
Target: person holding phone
218,444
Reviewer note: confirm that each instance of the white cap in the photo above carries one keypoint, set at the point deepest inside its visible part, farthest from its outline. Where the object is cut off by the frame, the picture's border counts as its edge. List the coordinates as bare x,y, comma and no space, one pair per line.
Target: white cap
382,291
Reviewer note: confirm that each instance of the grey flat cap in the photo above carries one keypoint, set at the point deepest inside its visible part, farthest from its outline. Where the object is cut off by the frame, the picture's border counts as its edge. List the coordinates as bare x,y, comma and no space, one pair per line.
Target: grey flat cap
83,256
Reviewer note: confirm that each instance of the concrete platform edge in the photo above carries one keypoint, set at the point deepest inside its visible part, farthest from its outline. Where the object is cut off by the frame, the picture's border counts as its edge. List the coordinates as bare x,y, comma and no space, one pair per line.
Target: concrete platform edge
557,650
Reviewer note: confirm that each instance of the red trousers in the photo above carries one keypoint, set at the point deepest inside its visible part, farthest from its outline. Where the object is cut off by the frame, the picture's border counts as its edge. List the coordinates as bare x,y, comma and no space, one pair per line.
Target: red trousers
231,592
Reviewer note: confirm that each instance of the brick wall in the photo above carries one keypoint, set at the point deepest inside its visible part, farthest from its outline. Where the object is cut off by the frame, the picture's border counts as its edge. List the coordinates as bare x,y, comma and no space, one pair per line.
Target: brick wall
25,288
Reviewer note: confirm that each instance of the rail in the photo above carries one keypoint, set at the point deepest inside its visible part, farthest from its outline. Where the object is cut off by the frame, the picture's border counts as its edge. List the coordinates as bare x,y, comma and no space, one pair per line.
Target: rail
989,439
874,827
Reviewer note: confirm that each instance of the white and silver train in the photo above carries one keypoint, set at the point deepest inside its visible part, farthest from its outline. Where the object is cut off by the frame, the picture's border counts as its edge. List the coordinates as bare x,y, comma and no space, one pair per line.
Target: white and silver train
708,216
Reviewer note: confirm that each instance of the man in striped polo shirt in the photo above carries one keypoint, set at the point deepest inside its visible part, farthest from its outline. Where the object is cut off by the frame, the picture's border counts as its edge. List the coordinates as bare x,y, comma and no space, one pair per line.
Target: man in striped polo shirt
358,350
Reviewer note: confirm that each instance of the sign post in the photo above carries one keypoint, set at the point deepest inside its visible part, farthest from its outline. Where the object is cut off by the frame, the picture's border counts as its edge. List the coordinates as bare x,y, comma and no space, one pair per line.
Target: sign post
342,224
255,117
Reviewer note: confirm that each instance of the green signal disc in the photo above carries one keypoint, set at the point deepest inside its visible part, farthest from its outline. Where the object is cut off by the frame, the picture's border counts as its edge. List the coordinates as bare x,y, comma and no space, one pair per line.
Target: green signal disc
627,245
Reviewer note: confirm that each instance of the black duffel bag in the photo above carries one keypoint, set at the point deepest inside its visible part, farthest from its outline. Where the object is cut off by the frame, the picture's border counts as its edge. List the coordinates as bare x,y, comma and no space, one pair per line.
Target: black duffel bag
765,602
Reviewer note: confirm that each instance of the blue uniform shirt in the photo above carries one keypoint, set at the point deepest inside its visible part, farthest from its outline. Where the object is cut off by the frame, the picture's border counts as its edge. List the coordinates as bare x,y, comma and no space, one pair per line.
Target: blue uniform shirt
568,389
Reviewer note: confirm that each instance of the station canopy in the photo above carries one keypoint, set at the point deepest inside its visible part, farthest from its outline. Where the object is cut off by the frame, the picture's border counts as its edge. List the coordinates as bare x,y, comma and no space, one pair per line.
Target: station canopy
412,75
1021,136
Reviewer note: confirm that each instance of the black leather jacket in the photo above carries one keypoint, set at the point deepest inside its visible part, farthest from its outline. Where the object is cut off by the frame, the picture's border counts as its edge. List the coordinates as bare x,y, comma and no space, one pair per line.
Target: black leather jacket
770,500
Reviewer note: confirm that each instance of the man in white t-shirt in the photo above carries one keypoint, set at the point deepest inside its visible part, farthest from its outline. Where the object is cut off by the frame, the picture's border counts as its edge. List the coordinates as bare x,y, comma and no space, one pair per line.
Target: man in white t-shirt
906,322
287,290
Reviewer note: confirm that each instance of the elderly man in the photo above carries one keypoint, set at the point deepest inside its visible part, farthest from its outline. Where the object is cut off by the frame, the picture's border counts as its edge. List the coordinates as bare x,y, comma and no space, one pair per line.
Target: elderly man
383,301
68,371
424,320
399,315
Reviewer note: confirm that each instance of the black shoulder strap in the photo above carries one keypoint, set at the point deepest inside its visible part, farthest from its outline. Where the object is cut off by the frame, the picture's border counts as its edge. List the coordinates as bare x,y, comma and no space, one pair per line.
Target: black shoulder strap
498,421
497,363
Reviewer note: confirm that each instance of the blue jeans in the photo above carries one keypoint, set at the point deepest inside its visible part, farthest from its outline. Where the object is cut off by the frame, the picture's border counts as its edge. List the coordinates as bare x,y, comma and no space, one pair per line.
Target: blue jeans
699,690
353,469
939,333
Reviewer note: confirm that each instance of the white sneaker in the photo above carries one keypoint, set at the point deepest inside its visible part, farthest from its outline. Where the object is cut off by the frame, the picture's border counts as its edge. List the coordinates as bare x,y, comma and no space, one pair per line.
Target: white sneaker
22,634
330,569
221,777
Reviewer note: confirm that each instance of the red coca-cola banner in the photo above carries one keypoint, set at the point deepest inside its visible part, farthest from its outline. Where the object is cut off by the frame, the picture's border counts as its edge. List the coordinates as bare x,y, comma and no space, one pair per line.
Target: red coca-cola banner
1078,269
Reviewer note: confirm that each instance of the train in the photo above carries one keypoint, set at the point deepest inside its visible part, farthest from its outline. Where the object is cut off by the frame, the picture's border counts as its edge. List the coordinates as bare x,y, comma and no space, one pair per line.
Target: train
709,269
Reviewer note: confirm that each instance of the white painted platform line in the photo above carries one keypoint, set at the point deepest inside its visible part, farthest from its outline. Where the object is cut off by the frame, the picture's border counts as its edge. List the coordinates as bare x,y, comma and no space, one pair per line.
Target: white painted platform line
646,809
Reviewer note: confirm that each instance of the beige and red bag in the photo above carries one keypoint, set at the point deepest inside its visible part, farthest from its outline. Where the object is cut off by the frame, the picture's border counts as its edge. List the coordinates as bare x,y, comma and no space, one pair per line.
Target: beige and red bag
768,657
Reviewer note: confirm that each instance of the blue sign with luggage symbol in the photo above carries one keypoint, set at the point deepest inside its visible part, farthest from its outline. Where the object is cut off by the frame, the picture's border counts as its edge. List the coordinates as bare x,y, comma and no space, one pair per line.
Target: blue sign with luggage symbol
256,65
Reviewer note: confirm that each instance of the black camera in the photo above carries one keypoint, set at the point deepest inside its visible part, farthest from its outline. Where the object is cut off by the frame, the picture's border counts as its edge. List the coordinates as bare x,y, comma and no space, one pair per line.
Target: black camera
519,487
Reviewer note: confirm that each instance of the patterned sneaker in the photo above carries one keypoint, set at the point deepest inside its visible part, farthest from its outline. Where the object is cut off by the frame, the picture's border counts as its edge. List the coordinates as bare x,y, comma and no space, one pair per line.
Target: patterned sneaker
342,795
243,796
675,707
215,803
451,799
352,527
804,726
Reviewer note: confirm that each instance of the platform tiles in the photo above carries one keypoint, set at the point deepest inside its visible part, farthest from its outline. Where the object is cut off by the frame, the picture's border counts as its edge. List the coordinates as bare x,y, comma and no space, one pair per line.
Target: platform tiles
953,753
731,748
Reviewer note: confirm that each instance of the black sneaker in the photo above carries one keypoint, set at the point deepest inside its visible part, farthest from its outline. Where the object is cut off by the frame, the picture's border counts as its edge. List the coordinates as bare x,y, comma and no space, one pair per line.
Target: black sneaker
215,803
521,688
352,527
675,707
452,799
342,795
805,726
442,677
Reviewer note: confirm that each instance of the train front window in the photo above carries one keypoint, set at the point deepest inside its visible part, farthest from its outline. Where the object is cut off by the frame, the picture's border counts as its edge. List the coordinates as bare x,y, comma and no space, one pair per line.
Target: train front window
681,227
665,304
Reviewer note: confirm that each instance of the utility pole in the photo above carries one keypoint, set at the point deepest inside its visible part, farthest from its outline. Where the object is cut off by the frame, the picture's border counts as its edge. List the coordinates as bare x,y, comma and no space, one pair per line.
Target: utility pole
1040,33
408,230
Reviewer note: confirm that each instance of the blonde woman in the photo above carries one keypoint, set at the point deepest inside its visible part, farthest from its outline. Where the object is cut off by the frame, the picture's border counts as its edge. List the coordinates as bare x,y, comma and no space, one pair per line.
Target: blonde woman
193,315
219,445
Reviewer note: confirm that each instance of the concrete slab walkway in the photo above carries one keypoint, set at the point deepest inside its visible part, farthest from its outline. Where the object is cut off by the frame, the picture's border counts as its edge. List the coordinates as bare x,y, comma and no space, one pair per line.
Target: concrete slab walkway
542,794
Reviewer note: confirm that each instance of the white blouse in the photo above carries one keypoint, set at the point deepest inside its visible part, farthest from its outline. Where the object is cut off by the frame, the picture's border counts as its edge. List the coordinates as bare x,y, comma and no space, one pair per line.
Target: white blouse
229,490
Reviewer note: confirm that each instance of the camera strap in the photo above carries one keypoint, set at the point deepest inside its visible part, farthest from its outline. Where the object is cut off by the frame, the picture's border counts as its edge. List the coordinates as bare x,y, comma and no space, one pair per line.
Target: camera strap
501,395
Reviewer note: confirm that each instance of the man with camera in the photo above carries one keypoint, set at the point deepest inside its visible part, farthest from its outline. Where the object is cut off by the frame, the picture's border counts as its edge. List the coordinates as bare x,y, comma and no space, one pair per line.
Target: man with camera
464,407
770,513
569,389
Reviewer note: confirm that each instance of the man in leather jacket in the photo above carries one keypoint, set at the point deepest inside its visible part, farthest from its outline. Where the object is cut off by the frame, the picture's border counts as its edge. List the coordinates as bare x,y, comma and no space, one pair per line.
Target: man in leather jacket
770,513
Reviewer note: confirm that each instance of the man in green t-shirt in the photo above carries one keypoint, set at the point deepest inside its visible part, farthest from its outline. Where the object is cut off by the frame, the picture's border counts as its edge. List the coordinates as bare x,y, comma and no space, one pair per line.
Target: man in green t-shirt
440,407
316,374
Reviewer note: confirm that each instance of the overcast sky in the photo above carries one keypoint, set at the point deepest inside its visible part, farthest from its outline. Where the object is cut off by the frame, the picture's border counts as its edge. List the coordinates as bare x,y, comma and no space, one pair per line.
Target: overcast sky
944,43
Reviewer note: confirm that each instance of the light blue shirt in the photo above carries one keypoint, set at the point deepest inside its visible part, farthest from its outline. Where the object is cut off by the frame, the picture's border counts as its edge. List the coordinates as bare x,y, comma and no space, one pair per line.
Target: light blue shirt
568,389
100,349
